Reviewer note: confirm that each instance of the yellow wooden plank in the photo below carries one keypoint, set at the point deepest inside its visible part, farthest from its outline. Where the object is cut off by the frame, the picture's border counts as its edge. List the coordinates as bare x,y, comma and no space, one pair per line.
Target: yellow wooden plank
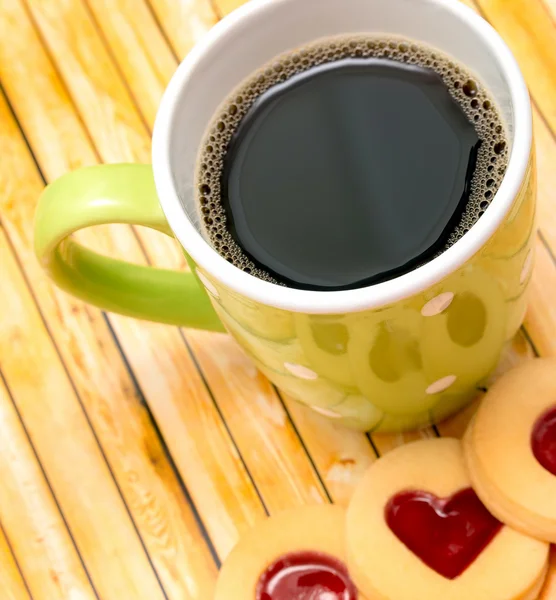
225,7
184,21
193,430
545,144
551,7
255,415
46,554
157,352
340,455
541,316
66,447
11,582
105,106
528,29
139,47
540,320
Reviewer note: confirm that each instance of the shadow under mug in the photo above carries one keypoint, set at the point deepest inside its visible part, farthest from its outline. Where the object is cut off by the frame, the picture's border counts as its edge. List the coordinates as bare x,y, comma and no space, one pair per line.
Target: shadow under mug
389,357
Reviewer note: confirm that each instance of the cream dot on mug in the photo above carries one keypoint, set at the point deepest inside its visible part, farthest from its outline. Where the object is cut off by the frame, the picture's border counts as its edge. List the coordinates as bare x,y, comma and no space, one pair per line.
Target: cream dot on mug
441,384
437,305
326,412
526,269
300,371
209,286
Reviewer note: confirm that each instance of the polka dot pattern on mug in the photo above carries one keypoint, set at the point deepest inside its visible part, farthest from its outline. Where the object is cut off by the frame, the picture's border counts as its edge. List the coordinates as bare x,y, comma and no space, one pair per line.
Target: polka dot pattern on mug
441,384
327,413
300,371
437,305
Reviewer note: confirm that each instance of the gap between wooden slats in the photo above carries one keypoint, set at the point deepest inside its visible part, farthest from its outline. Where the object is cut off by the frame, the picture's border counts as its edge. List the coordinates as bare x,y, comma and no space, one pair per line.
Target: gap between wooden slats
11,581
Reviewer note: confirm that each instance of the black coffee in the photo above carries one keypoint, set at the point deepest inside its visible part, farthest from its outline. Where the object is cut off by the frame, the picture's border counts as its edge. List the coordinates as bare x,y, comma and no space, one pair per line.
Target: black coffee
348,163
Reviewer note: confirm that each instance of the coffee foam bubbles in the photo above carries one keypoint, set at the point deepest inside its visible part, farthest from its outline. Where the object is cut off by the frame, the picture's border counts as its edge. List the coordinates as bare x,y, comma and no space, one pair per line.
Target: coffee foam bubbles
466,89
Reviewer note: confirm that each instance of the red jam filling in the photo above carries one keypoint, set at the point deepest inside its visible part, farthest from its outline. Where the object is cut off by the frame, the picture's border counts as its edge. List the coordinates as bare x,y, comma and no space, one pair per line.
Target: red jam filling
306,576
447,534
543,440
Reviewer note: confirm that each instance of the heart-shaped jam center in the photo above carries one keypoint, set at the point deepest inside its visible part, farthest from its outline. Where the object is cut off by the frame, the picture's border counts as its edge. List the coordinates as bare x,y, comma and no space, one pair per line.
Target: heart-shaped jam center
543,440
447,534
306,576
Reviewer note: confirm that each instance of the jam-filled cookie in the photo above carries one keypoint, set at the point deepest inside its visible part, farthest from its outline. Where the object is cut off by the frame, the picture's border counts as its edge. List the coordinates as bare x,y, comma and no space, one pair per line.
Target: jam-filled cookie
296,555
416,530
510,449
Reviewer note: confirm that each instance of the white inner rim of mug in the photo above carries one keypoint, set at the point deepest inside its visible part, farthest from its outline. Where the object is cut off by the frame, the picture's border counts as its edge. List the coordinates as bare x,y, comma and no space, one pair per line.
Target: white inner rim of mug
167,146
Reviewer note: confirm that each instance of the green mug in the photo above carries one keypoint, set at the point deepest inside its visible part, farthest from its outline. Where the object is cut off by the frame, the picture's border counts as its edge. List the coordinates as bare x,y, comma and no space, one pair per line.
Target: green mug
393,356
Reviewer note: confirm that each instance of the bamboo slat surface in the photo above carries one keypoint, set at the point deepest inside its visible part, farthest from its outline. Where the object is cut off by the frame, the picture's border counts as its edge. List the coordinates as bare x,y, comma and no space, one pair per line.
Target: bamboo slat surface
132,454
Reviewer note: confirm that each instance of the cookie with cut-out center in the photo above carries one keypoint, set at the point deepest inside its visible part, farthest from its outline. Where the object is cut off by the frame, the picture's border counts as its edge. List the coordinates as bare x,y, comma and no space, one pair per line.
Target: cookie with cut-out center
510,449
416,530
296,555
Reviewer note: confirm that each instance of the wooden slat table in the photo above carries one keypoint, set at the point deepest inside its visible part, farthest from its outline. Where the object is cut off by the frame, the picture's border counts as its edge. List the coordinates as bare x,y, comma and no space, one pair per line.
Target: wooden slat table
133,455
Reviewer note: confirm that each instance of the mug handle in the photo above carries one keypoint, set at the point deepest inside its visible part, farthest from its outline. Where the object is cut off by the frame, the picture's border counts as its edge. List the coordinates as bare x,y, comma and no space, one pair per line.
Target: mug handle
121,193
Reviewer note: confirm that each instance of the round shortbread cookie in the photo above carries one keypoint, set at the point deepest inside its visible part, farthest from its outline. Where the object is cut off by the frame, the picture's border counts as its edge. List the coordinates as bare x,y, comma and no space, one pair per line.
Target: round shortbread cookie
510,449
417,531
296,555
